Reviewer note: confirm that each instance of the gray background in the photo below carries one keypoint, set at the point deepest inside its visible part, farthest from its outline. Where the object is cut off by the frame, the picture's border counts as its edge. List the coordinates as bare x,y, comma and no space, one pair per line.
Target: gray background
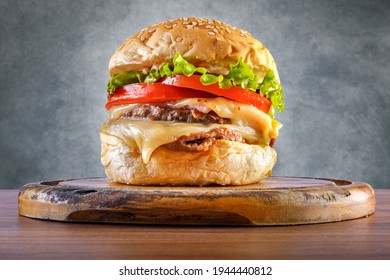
333,59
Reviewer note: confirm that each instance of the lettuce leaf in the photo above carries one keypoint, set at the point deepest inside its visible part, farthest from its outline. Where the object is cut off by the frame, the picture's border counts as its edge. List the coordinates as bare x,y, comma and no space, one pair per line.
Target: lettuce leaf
272,90
123,79
240,74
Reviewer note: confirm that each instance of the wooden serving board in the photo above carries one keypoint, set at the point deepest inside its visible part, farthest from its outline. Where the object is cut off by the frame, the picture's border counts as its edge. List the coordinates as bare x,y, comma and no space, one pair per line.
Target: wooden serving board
273,201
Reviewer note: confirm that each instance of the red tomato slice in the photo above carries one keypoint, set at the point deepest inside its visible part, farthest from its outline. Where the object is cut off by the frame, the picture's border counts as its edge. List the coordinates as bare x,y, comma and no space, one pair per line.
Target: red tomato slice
235,93
181,87
152,93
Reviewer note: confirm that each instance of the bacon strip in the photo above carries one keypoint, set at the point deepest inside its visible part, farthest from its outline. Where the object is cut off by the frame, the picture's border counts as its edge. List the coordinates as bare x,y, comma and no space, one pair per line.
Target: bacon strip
201,142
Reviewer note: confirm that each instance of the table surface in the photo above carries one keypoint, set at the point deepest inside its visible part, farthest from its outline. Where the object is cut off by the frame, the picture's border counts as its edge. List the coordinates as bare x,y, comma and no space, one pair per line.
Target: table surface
25,238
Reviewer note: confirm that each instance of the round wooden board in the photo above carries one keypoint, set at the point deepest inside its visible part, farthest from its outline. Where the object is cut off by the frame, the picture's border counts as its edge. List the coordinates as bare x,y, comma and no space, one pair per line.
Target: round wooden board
273,201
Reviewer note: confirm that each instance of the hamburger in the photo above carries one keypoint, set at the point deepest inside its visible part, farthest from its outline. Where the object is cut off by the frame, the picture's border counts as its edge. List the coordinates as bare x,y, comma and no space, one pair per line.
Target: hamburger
191,101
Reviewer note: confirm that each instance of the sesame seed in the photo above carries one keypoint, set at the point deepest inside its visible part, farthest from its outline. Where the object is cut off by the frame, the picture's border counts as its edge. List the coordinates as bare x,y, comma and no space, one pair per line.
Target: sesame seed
215,30
185,22
142,38
179,39
189,26
185,19
211,33
152,30
209,26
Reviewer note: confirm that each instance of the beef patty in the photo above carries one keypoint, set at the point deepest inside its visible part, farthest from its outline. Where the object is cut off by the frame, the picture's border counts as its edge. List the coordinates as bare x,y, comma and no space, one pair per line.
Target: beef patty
169,113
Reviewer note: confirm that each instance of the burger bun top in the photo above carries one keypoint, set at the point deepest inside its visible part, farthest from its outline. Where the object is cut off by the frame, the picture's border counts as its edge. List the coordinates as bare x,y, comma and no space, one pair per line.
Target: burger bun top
202,42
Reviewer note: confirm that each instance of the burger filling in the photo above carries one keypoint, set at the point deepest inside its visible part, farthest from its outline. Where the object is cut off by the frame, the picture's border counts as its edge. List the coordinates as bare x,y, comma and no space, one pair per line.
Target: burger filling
191,125
182,107
240,74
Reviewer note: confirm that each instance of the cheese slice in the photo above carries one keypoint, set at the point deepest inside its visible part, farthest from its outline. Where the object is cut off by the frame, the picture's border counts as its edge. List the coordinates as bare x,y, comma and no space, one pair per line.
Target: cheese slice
254,125
149,135
241,114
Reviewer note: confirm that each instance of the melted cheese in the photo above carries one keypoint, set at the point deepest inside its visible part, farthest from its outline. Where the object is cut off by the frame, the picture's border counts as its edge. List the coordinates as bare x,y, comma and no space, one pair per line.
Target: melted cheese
148,135
240,114
254,125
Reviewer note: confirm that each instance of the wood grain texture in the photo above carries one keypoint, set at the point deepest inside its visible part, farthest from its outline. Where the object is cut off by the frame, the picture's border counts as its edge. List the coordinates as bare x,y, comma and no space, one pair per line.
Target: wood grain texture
24,238
274,201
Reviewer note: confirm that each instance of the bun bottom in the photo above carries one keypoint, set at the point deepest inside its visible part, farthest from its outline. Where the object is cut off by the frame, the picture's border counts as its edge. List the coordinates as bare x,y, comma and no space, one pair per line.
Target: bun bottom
225,163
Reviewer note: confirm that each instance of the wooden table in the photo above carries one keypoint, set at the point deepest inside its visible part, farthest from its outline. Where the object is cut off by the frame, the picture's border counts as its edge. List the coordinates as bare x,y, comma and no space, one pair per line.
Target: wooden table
25,238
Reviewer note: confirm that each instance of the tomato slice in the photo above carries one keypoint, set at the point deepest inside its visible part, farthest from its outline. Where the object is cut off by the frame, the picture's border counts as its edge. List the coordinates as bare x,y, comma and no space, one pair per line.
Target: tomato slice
152,93
180,87
235,93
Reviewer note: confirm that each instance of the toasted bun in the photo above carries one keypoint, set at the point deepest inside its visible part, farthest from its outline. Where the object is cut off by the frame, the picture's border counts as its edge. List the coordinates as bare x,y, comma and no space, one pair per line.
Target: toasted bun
206,43
225,163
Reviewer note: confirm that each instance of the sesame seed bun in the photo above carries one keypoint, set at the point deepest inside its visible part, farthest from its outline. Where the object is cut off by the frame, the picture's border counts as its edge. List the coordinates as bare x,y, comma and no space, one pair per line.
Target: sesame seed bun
205,43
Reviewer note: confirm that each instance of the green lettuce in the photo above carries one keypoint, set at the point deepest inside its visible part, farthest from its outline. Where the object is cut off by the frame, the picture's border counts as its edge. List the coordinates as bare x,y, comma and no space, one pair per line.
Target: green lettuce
123,79
240,74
